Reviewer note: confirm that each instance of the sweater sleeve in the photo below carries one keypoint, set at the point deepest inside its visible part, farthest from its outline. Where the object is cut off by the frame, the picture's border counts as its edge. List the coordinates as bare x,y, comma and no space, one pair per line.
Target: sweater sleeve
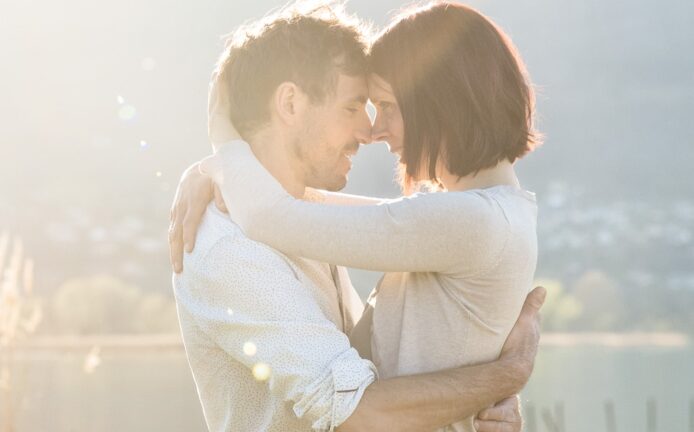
456,232
338,198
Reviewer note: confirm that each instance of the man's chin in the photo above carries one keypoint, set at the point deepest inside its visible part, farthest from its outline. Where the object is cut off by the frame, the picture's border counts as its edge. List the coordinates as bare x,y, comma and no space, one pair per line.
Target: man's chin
334,184
337,185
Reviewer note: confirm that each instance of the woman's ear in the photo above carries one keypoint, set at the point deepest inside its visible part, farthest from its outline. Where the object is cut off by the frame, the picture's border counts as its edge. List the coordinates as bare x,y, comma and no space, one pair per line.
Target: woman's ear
289,103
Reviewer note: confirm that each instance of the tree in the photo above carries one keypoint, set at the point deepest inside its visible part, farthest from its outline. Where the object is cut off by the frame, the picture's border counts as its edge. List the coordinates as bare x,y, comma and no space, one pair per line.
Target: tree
97,304
602,301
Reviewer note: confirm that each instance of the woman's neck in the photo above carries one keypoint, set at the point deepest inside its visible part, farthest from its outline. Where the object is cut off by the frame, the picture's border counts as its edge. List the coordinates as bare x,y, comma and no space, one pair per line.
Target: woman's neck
501,174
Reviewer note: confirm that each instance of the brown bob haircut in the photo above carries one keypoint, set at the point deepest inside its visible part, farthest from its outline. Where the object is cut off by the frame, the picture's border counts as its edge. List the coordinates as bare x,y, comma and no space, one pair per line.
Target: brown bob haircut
309,47
462,88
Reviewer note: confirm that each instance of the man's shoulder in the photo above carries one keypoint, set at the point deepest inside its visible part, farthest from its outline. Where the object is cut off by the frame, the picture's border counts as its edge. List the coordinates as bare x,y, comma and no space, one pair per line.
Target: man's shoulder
220,242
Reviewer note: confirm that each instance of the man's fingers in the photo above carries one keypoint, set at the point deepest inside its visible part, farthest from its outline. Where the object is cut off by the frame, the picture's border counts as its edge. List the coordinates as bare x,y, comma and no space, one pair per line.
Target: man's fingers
507,410
534,301
495,426
504,416
506,413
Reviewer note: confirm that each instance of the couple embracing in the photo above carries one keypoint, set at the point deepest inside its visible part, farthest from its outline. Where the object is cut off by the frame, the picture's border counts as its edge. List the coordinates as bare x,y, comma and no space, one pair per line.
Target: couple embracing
276,337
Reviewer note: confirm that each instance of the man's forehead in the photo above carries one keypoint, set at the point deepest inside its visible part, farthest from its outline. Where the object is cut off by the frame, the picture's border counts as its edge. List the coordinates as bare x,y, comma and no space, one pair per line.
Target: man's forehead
378,87
352,88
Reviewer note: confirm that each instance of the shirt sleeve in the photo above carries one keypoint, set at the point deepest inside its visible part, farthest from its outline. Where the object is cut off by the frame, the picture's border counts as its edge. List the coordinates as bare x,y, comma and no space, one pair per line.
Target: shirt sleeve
250,303
457,232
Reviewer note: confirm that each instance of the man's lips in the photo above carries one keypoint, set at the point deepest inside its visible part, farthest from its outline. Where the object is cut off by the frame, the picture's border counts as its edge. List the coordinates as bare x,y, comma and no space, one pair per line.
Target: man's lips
351,150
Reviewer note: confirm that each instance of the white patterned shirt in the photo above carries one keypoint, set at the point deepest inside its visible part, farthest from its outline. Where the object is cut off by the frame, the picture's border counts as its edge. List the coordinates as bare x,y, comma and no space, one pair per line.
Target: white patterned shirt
264,334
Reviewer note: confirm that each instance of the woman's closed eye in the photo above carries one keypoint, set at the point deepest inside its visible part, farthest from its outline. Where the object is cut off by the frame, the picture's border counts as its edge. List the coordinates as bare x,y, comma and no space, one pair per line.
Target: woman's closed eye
385,107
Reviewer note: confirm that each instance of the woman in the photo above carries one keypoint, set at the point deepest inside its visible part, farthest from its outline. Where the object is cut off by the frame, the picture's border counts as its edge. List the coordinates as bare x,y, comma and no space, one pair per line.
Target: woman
453,101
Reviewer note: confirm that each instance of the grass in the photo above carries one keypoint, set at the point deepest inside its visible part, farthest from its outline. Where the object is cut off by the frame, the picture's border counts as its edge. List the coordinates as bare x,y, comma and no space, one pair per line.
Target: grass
20,315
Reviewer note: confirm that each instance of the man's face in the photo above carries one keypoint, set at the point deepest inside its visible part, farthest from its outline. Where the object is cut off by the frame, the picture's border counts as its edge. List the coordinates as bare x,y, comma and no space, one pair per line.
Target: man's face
332,134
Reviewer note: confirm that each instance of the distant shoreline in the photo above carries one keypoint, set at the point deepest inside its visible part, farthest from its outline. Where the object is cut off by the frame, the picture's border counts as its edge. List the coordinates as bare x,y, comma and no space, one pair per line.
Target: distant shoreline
173,341
617,340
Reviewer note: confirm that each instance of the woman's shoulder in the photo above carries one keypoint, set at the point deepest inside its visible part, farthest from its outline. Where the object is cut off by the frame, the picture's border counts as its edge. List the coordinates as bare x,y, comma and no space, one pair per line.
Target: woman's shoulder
481,202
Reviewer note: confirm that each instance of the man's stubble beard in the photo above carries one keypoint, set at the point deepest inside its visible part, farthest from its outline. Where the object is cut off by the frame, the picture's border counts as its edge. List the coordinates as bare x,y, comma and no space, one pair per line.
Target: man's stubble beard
316,173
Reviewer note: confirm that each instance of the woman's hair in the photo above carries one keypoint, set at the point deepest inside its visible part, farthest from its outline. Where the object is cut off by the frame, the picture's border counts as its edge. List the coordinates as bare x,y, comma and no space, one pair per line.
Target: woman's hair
462,88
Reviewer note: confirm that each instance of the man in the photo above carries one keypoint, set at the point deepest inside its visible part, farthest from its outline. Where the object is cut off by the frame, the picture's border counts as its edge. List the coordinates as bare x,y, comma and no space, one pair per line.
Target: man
265,333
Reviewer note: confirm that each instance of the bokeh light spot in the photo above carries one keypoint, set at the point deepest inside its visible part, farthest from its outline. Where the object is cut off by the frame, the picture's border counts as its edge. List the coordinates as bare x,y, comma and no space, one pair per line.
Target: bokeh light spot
127,112
249,349
92,360
261,372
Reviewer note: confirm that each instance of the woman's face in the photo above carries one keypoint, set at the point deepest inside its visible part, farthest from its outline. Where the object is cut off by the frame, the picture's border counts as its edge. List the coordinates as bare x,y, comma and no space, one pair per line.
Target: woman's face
388,125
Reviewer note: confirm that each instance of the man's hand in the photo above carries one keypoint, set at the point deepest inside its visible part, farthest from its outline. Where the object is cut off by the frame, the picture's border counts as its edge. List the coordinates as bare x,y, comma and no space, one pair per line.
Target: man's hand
194,193
505,416
520,348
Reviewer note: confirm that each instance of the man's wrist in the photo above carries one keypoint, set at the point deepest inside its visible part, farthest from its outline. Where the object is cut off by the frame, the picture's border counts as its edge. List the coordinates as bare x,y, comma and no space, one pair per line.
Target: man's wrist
517,371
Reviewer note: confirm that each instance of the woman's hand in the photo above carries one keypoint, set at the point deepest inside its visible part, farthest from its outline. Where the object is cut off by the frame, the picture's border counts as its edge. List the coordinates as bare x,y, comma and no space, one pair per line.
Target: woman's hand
194,193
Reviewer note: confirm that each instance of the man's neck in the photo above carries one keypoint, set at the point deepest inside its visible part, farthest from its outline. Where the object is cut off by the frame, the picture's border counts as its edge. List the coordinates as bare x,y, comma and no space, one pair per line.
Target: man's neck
274,154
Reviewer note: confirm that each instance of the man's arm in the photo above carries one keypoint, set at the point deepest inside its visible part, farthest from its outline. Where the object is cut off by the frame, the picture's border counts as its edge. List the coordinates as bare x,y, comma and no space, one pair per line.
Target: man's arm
429,401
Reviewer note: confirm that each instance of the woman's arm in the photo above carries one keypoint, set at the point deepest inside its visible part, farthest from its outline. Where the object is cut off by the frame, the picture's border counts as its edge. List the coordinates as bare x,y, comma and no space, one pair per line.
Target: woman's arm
194,193
338,198
427,232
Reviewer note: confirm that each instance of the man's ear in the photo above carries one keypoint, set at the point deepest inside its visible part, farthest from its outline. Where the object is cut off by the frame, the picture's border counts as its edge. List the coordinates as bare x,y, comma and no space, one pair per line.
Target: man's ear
289,103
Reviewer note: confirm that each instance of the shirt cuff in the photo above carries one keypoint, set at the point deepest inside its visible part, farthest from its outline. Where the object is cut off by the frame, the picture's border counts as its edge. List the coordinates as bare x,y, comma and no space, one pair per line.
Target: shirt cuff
331,399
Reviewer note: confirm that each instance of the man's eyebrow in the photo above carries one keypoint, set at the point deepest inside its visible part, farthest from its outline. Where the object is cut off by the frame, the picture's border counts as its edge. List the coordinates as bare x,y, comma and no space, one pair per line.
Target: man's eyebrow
380,86
359,98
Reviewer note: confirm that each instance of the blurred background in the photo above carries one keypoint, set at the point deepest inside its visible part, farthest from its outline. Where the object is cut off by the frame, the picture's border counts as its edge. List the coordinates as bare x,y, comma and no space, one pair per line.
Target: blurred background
104,106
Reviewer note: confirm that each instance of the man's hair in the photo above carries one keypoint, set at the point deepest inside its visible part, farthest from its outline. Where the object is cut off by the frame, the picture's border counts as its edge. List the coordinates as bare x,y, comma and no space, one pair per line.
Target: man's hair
462,89
307,44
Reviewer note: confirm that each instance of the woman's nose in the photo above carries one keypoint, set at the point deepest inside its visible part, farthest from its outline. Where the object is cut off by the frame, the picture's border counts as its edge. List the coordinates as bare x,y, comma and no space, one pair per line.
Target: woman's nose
379,132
